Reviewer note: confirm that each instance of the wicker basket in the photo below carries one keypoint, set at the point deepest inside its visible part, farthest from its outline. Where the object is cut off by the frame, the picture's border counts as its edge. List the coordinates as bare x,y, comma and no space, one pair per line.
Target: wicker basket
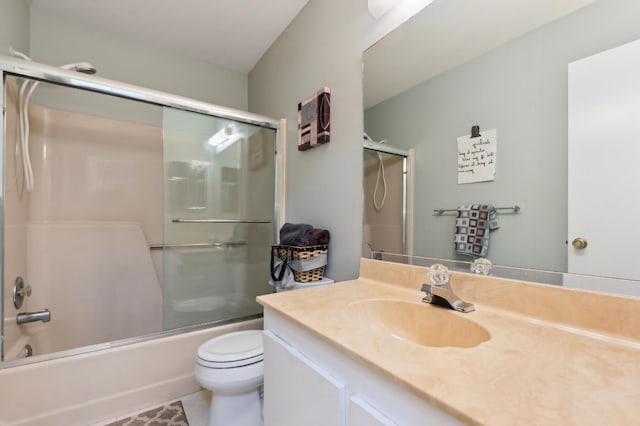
290,253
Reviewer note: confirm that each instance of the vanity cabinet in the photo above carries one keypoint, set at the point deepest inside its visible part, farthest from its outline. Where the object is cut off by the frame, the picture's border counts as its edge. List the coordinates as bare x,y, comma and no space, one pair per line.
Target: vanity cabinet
308,381
298,392
361,413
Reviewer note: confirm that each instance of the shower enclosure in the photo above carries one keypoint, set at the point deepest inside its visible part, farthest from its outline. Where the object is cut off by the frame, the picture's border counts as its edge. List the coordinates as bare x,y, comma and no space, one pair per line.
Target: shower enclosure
147,213
387,199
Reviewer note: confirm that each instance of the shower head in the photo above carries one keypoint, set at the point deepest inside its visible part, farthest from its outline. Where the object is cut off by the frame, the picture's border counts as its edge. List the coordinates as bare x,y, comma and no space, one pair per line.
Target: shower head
83,67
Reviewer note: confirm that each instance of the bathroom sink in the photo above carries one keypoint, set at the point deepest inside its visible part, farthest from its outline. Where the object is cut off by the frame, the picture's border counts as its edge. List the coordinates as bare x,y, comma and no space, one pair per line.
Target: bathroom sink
420,323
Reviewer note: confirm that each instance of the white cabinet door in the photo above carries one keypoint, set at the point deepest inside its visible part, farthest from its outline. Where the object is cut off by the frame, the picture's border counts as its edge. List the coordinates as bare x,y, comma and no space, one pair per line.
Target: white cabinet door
296,391
361,413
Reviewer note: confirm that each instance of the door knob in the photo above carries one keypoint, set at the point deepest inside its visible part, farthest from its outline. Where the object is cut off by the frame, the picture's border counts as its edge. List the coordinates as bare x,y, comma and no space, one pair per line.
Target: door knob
579,243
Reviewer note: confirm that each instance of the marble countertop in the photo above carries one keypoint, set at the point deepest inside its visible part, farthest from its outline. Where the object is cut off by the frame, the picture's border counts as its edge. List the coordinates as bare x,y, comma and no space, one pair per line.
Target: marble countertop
544,364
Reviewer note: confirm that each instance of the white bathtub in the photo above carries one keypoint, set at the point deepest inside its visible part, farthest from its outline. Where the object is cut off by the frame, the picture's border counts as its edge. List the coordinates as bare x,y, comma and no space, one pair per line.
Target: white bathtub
96,387
40,339
49,340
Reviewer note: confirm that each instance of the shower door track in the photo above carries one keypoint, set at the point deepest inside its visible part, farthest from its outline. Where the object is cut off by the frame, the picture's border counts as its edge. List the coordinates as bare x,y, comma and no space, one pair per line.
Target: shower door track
55,75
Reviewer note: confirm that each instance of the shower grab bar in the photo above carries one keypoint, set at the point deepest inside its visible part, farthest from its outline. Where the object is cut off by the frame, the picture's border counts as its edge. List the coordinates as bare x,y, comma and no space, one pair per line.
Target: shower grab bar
199,245
220,221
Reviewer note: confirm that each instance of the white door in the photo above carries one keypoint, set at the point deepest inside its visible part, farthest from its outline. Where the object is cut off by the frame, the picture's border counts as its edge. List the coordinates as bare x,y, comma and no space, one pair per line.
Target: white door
604,163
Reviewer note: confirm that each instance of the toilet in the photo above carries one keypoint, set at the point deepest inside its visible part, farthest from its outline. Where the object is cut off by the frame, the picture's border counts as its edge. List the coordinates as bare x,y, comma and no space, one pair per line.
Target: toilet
231,366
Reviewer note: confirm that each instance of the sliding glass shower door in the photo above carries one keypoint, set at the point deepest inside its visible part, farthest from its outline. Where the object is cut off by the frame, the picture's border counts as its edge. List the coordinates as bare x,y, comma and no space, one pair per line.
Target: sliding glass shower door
218,217
145,213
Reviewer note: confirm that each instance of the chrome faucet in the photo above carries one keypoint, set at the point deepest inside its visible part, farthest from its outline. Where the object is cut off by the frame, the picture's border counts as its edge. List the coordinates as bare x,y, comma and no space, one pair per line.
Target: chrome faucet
441,293
44,316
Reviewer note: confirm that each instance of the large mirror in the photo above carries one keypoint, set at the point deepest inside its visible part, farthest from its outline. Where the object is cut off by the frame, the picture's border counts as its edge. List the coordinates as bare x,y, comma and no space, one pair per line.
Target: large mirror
508,66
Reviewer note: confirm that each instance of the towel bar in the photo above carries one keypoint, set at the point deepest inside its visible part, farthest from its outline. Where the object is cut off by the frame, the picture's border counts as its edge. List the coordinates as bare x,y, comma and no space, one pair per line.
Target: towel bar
515,209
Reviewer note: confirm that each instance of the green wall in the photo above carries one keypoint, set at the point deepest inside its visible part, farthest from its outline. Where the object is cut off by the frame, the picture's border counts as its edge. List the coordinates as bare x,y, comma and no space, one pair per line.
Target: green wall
14,26
56,40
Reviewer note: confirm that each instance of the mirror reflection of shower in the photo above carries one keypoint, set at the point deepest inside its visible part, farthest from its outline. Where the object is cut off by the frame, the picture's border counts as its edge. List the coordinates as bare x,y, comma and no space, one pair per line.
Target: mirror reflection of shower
24,173
386,189
381,181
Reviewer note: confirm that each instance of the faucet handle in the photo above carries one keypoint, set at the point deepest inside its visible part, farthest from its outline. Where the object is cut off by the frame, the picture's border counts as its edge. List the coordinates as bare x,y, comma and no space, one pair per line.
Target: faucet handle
482,266
439,274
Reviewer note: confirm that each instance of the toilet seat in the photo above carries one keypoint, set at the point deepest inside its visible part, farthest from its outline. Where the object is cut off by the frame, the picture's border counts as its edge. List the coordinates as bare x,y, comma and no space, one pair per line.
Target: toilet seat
232,350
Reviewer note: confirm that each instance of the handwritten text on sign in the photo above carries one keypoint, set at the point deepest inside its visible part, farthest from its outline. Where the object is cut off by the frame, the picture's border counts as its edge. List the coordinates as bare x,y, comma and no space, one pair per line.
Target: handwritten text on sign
477,157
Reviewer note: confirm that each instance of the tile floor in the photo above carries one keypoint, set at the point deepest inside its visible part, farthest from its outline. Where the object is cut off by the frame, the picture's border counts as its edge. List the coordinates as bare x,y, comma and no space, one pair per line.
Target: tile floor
196,407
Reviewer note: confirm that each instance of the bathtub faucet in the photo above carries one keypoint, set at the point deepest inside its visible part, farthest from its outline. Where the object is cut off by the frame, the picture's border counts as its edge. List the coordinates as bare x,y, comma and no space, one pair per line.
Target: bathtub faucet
44,316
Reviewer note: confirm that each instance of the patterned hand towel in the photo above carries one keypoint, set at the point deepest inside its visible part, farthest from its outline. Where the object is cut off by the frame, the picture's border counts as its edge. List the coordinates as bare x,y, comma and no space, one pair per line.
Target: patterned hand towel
473,224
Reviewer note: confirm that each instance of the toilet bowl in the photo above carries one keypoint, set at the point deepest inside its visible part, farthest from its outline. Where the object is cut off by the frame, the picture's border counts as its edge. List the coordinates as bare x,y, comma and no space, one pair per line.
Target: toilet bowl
231,366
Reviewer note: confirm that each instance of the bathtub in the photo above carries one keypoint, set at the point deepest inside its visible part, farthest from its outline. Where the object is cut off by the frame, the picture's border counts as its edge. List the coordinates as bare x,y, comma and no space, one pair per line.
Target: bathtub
96,387
41,341
47,341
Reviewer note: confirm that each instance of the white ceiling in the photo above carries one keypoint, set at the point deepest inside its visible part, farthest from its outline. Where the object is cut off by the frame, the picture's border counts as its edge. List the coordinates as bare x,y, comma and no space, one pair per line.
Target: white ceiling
236,33
231,33
448,33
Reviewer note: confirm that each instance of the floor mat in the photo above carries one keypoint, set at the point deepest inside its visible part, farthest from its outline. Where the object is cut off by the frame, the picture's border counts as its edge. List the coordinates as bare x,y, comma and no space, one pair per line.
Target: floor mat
166,415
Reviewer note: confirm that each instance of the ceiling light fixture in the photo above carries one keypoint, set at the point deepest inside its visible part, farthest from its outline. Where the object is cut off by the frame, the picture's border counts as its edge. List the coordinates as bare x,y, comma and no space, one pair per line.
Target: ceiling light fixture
226,137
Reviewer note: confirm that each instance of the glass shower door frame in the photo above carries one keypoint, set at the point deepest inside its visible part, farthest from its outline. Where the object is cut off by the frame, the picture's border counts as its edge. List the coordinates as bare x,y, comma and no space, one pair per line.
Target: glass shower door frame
10,66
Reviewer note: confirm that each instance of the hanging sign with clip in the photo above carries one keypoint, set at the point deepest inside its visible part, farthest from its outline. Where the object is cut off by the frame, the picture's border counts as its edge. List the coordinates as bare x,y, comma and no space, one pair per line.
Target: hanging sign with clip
477,156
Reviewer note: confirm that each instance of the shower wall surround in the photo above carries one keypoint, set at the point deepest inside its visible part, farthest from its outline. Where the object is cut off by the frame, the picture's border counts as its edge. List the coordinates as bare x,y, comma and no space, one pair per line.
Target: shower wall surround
80,239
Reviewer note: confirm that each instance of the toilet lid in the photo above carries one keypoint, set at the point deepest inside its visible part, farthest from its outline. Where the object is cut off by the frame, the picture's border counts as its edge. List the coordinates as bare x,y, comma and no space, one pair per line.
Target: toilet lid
229,349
